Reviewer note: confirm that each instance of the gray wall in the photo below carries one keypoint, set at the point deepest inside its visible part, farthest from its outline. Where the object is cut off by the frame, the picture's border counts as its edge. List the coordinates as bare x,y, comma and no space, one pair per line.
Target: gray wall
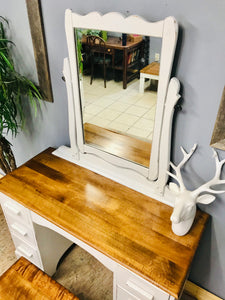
200,66
155,47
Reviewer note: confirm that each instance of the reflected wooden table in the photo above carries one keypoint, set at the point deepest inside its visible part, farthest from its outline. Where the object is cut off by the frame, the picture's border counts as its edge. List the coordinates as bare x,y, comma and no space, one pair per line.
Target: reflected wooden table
131,54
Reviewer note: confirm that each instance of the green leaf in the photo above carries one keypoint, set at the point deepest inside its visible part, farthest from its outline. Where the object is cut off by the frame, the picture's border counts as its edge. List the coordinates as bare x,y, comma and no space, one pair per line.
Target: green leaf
13,88
7,61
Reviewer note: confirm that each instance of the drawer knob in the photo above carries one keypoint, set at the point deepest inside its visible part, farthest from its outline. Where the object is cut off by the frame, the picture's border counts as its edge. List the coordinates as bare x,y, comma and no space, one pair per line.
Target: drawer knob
19,229
20,250
12,208
133,286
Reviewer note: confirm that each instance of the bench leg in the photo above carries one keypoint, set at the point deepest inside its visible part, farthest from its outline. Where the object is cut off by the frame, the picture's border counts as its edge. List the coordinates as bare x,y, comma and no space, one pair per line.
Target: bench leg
142,83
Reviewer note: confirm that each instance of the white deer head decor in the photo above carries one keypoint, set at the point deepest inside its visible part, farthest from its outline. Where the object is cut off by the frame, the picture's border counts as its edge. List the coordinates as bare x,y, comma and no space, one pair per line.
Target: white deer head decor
185,202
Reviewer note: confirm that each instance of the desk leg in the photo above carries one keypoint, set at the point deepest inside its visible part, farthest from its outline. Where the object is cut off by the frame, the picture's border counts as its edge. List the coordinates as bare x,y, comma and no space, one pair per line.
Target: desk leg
51,246
125,68
113,63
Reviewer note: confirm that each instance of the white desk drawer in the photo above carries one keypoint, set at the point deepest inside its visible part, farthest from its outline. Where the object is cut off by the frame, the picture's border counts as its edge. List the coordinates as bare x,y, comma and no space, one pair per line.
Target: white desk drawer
122,294
25,250
16,210
130,293
22,231
137,286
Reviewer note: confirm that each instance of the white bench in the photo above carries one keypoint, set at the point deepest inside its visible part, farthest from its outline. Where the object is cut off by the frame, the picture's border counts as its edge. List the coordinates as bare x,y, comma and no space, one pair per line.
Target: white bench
151,72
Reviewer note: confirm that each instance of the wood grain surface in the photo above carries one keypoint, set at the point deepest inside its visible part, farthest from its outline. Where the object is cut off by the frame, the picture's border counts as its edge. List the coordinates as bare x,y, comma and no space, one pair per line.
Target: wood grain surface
152,69
132,229
25,281
198,293
118,144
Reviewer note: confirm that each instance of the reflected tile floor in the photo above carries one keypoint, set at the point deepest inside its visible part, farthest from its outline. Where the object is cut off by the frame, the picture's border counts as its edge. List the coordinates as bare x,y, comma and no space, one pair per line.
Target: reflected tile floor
125,111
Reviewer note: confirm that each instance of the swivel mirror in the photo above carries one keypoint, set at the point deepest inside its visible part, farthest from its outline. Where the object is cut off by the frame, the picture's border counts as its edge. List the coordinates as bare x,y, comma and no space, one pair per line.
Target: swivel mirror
117,78
118,107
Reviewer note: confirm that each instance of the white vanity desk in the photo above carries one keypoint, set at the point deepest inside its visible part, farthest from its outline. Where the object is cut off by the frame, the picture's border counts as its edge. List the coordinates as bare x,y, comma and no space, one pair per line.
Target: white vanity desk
124,228
128,232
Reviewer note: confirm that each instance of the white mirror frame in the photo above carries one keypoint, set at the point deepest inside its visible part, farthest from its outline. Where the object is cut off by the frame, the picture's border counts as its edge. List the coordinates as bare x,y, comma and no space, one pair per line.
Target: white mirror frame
150,181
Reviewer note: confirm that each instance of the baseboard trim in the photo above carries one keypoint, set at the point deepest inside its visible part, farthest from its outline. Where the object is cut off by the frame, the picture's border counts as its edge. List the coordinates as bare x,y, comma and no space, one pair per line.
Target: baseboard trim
198,293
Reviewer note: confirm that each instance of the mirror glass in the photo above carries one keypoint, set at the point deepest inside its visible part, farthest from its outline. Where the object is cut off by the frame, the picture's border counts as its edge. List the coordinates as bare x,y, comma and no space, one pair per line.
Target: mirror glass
118,75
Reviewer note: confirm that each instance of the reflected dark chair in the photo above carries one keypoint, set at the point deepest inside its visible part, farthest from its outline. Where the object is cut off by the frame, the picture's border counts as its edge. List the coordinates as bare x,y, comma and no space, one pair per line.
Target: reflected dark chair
99,55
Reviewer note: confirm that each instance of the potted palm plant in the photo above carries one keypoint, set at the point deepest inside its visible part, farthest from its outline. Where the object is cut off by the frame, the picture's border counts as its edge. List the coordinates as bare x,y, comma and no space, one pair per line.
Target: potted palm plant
13,88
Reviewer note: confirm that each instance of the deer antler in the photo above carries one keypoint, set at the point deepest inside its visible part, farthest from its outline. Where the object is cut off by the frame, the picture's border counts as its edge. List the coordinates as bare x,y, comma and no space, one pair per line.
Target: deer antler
177,169
206,187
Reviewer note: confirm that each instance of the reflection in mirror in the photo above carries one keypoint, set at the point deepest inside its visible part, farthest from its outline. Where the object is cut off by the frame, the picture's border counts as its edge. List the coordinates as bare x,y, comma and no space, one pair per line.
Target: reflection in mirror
118,86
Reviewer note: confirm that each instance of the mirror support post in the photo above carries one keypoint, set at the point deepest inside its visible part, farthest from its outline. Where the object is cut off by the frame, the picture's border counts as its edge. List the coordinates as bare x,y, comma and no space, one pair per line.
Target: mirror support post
169,40
71,111
164,156
75,78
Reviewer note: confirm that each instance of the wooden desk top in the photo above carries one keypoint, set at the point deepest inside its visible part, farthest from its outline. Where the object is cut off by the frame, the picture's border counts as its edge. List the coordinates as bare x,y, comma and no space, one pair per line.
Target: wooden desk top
132,229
